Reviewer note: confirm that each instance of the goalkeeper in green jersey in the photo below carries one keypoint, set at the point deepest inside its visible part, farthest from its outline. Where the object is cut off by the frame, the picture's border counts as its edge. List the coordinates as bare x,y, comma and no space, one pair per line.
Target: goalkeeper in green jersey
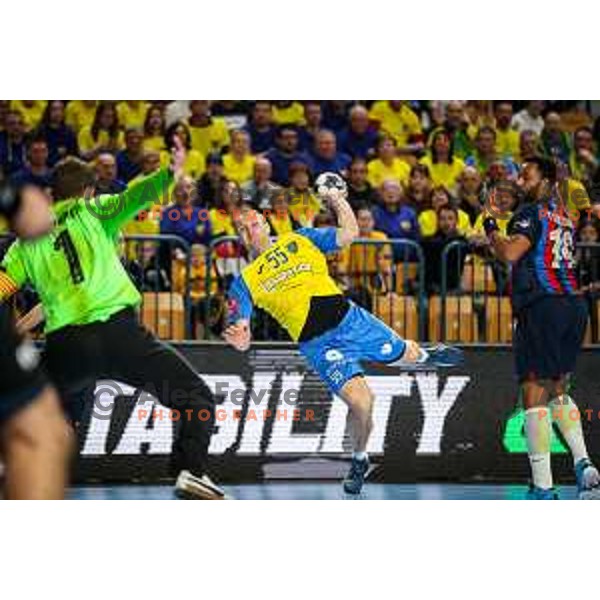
89,303
35,439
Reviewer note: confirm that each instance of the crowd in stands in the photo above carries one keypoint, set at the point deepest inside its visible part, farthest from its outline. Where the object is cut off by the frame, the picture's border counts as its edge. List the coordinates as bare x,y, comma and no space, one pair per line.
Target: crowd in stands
420,171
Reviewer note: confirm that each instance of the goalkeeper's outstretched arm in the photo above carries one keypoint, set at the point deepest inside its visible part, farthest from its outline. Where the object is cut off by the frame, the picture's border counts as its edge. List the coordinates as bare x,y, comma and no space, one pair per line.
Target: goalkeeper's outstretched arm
116,211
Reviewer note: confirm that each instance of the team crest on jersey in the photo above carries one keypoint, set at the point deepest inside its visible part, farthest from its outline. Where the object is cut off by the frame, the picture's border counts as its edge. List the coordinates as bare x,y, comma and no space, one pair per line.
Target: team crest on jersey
292,247
523,223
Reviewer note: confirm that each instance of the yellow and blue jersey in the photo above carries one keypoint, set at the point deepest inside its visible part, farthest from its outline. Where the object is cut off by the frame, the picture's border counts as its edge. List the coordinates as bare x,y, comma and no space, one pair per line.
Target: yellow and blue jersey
291,282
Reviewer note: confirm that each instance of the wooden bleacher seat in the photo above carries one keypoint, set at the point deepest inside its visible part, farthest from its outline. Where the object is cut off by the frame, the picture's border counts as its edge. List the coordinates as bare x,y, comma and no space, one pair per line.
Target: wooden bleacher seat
163,314
498,319
406,275
477,277
399,313
461,320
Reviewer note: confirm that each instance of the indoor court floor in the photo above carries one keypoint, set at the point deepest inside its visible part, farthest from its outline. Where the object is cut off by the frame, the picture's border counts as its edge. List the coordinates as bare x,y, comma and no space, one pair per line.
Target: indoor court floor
321,491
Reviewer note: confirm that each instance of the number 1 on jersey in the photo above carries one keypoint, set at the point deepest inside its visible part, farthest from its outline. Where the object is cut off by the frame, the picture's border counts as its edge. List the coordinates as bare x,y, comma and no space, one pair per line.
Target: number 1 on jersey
64,243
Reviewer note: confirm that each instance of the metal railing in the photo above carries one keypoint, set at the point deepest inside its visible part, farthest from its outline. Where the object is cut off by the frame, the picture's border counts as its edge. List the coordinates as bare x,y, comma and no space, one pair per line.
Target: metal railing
472,303
160,267
463,297
387,277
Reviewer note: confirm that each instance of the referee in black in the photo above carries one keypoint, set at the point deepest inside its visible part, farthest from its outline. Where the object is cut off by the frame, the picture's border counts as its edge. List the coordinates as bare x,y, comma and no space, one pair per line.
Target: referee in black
551,318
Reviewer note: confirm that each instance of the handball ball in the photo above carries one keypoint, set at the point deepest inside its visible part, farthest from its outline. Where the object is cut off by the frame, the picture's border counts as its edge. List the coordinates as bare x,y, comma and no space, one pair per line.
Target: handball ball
330,184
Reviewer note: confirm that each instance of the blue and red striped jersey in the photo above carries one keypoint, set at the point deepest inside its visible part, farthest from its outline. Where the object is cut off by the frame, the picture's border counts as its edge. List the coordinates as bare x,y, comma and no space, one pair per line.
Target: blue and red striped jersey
548,268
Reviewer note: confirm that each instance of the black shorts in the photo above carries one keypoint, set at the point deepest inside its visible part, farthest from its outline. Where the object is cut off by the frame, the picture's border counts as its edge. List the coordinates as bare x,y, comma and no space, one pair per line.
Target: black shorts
121,349
21,378
548,337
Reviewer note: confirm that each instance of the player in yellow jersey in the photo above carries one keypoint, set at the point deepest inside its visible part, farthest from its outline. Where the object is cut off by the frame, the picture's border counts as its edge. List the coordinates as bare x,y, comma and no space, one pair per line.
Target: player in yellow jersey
289,279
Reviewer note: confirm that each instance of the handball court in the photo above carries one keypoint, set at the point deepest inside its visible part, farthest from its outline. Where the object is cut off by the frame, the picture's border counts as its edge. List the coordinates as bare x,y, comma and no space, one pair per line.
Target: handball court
321,491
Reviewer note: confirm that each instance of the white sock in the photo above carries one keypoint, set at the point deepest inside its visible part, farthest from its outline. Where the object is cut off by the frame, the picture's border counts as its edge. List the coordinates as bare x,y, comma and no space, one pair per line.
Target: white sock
538,430
359,455
567,418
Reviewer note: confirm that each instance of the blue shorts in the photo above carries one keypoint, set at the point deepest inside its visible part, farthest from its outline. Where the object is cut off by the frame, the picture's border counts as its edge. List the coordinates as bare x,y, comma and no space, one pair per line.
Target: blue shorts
337,354
548,337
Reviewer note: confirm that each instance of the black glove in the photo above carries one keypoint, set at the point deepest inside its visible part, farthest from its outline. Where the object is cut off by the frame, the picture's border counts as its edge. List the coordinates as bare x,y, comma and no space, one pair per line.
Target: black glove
490,225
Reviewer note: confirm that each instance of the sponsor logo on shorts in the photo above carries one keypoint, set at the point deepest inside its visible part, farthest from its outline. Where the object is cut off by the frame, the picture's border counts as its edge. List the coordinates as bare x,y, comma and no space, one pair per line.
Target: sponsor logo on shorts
333,355
387,348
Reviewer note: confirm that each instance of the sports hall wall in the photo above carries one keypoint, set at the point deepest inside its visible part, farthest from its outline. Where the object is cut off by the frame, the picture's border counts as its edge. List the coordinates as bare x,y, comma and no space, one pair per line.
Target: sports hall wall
275,420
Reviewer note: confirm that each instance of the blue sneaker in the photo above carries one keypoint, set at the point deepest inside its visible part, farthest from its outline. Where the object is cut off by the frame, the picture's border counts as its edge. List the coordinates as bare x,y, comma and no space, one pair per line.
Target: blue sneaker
434,357
537,493
355,479
440,355
588,480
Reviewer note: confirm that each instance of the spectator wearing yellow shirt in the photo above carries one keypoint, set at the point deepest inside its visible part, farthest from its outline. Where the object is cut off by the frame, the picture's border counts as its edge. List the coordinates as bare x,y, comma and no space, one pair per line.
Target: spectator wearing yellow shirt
470,193
31,110
195,163
288,112
209,134
584,161
507,138
444,167
80,114
304,205
395,118
154,129
279,217
104,135
387,165
132,113
419,187
428,219
228,203
239,163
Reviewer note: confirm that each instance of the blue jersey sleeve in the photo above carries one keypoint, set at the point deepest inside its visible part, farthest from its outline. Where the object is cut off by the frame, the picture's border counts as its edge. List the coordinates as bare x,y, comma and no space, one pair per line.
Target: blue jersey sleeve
526,222
239,305
324,238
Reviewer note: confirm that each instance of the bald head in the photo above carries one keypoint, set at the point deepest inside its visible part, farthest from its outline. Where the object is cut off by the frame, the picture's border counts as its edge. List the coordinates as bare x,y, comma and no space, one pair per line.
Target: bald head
262,169
106,167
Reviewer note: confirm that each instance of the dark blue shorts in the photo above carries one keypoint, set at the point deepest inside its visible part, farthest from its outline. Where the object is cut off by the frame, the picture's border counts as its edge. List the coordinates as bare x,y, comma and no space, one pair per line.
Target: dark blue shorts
548,337
337,354
21,379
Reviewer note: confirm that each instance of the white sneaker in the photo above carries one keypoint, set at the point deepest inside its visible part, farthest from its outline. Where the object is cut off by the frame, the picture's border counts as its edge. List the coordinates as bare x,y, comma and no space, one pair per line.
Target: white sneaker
588,480
190,487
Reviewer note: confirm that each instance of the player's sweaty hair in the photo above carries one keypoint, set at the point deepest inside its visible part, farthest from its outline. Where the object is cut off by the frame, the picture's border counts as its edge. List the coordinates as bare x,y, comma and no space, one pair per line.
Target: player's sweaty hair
71,177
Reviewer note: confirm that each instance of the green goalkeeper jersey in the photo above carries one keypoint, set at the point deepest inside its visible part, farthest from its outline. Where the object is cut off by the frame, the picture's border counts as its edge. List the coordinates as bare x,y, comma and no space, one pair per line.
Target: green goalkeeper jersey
76,269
